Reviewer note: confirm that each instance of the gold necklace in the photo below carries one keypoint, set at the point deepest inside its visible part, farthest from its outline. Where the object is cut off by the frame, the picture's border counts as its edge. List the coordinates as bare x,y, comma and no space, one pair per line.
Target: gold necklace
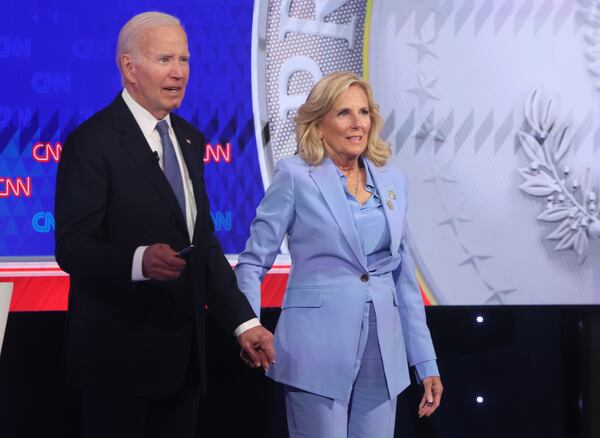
355,193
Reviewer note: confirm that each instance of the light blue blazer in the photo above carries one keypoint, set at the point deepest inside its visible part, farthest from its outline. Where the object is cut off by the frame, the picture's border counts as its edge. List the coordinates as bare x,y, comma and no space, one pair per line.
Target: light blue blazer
317,335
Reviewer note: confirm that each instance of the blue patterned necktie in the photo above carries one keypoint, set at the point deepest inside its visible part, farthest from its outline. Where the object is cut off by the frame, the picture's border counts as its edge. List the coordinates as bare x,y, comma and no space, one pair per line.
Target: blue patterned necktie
170,164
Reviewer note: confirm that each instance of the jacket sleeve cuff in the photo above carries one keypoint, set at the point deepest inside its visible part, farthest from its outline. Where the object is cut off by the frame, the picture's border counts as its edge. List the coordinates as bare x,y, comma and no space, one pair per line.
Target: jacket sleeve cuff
426,369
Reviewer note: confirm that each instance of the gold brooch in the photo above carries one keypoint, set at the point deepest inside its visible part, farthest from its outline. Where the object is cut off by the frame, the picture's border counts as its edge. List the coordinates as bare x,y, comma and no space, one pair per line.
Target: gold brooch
390,204
392,195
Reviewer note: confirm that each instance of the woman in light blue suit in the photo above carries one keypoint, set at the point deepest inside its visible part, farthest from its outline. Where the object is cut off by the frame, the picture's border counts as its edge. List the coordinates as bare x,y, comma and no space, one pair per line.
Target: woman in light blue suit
352,319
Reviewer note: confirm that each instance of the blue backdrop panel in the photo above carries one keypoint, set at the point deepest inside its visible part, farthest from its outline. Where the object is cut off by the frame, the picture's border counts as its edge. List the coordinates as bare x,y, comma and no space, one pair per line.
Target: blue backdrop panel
58,68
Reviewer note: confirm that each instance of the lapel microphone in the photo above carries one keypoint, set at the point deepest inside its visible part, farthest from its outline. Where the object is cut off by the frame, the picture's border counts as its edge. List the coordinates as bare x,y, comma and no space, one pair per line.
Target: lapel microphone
156,157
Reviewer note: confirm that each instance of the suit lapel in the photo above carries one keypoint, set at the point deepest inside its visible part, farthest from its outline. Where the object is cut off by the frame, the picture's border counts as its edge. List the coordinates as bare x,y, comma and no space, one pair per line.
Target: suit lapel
134,142
391,200
328,181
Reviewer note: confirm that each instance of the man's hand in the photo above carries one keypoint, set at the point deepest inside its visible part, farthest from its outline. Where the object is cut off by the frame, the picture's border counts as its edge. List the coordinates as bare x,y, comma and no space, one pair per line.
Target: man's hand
257,347
160,262
432,396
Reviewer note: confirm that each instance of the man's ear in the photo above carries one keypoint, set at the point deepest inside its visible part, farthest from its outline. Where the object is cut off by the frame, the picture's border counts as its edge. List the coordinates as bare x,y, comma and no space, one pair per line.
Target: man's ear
128,67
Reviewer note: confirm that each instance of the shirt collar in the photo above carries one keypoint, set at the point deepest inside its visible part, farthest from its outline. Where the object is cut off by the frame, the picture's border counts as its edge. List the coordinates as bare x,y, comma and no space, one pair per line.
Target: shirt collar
146,121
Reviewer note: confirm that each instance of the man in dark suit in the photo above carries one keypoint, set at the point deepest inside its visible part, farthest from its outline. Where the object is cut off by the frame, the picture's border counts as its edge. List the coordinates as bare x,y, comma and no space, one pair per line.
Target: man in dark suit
130,194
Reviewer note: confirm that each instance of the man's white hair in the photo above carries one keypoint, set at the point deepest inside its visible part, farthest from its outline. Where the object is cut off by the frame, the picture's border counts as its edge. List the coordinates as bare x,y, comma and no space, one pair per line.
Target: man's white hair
129,35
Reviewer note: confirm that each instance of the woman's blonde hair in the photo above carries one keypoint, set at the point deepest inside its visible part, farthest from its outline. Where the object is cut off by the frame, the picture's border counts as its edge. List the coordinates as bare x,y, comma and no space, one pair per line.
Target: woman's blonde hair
319,102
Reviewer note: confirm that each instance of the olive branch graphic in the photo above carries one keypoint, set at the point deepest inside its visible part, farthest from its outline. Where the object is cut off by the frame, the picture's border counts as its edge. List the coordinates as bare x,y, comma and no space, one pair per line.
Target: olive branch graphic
571,201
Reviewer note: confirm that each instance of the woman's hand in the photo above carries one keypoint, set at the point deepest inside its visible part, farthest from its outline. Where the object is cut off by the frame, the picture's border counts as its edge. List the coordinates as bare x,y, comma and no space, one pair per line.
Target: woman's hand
432,396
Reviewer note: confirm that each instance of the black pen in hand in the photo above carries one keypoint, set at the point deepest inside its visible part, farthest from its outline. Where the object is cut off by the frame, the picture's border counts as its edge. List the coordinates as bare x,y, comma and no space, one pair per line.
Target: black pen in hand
185,251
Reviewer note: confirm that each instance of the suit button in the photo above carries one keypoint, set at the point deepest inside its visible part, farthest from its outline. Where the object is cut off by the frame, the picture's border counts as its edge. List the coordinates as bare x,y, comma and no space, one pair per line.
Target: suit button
364,278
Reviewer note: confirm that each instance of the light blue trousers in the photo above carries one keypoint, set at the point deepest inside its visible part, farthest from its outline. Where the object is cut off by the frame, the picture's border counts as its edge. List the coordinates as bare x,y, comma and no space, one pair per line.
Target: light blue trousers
370,412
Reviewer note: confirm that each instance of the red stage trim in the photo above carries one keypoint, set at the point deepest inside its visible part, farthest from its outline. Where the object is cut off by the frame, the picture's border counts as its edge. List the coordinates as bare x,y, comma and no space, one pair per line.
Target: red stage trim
47,288
41,293
31,294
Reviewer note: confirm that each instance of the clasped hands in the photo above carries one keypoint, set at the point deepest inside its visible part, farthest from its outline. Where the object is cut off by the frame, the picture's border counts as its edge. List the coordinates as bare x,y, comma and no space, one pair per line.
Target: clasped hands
160,262
257,347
